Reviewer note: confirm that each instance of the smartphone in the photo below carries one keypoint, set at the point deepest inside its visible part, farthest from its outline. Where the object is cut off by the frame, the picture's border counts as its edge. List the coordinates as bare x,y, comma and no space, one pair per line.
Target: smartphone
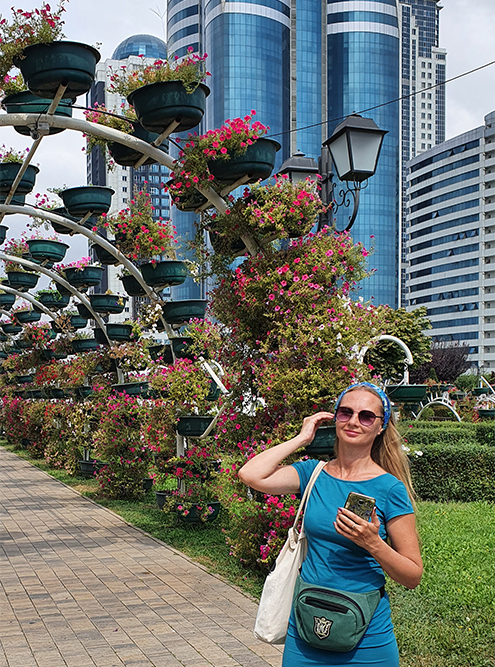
360,505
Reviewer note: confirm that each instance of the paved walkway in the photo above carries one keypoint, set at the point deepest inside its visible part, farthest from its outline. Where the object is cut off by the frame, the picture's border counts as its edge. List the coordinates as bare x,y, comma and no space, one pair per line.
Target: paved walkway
79,587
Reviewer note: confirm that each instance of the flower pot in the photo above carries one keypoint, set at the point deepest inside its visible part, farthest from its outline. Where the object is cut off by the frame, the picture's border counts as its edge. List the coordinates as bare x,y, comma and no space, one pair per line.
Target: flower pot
11,328
161,497
486,413
63,290
107,304
26,316
132,388
3,355
479,391
257,162
42,250
46,66
24,379
132,286
406,392
223,245
84,391
55,392
90,468
22,281
17,200
24,344
163,352
87,199
7,301
78,322
90,276
119,332
8,173
181,347
26,102
104,256
147,484
158,104
193,515
34,393
54,300
84,312
3,233
64,213
178,312
101,339
214,392
192,426
190,202
80,345
323,442
126,156
163,274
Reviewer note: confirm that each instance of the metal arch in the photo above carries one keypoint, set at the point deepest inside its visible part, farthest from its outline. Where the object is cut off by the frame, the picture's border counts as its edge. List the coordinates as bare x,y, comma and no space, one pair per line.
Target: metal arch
439,401
28,297
54,276
407,361
483,379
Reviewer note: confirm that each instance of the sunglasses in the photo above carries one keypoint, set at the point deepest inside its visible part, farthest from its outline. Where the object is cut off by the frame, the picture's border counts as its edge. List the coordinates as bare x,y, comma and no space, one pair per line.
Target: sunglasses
366,417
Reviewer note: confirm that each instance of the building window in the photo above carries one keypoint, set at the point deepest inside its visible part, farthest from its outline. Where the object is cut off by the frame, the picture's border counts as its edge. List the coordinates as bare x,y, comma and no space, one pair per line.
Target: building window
124,178
124,189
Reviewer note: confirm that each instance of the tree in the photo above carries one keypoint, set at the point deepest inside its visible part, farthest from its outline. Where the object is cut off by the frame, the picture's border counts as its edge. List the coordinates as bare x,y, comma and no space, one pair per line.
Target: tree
448,360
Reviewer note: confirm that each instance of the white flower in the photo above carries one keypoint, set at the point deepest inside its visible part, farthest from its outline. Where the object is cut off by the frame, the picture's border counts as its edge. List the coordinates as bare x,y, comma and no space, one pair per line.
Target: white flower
418,452
405,449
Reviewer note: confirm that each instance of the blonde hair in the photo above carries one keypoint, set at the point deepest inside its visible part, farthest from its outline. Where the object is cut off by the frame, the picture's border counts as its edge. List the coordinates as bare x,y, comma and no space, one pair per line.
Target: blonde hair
388,452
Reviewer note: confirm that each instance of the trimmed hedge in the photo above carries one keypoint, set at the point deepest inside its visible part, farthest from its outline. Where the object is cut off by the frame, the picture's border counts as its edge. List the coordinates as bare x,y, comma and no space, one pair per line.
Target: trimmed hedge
457,472
420,434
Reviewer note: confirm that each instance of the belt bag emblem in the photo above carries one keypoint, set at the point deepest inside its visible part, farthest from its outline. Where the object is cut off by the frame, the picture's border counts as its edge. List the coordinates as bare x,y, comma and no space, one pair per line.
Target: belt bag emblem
322,627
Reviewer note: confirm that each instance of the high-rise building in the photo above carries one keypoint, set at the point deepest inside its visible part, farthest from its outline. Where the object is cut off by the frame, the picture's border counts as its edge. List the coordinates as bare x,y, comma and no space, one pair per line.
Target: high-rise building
422,106
451,240
123,180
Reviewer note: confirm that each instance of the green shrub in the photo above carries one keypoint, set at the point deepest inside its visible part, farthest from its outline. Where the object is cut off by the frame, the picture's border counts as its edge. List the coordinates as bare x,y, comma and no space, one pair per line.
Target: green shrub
419,434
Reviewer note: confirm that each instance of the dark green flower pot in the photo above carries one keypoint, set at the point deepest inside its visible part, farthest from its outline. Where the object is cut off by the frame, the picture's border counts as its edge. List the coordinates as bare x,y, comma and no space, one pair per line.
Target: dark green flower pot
104,256
55,392
87,199
46,66
486,413
84,313
190,202
406,393
80,345
214,392
193,515
90,276
90,468
24,344
24,379
107,304
181,347
101,339
3,337
132,286
323,442
177,312
257,162
147,484
22,281
161,497
3,355
163,352
41,250
224,245
479,391
54,300
119,332
11,328
158,104
8,173
7,301
83,391
78,322
17,200
27,316
127,157
34,393
163,274
63,290
132,388
3,233
26,102
64,213
193,426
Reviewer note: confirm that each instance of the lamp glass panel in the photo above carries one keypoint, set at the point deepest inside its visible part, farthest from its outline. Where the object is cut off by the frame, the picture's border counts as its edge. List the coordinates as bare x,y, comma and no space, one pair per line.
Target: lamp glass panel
340,155
365,148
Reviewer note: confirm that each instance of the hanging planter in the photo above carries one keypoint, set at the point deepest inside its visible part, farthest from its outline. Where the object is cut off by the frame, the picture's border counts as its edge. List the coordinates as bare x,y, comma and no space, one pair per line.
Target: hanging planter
406,392
3,233
26,102
104,256
10,328
181,347
17,200
180,312
63,290
78,322
163,274
44,250
486,413
107,304
192,426
24,379
55,392
83,311
101,339
161,351
191,201
53,300
214,392
257,162
64,213
47,66
229,246
27,316
195,513
3,355
126,156
323,442
34,393
132,388
157,105
24,344
479,391
7,300
87,199
80,345
22,280
83,391
3,337
8,173
119,332
132,286
89,276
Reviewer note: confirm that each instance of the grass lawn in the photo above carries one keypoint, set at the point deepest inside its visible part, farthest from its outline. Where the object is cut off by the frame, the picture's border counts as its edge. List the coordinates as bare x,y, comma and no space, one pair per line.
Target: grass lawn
449,620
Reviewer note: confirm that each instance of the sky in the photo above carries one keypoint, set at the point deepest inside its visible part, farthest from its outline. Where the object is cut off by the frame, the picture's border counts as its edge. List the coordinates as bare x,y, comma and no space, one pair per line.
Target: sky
466,31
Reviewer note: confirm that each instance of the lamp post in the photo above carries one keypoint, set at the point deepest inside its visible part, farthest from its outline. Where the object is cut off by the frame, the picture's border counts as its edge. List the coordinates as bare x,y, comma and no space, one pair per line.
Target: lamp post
298,167
353,151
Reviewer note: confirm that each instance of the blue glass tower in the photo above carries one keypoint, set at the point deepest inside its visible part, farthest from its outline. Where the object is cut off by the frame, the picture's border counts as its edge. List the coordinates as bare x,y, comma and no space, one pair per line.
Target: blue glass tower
363,73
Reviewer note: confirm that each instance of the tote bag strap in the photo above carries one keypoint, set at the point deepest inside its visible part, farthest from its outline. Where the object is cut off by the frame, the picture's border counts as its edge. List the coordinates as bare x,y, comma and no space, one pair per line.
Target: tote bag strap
306,494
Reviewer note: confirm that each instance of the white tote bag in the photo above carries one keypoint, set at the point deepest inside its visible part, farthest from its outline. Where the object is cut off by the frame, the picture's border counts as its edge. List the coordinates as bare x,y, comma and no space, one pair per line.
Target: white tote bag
273,615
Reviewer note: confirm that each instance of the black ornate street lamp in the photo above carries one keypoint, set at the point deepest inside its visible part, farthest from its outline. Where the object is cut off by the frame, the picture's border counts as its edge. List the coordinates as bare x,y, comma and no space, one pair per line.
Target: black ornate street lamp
353,151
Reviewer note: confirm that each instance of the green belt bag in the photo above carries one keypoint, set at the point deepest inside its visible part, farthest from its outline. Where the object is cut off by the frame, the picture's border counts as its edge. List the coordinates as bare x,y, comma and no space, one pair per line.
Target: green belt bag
330,619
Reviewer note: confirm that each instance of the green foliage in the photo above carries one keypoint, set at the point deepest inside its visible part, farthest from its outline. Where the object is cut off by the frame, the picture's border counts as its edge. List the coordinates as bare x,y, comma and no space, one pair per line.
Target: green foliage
467,381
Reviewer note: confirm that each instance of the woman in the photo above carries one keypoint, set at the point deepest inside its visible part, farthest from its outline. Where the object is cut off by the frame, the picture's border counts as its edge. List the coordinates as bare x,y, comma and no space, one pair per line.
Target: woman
345,551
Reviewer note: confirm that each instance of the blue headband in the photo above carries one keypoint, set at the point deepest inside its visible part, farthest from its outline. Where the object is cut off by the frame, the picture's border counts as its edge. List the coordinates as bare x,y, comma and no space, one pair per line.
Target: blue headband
387,408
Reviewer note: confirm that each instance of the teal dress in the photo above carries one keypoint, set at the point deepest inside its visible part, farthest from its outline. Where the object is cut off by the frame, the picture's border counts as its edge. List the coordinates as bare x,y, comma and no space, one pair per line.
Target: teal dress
337,562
